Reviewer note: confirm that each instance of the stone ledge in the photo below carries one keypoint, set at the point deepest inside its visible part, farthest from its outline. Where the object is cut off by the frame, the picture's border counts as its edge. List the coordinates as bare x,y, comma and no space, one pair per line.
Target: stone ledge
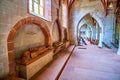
53,70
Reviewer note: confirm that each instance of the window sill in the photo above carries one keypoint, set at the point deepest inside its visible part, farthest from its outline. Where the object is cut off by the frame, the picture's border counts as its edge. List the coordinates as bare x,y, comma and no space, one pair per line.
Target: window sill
34,14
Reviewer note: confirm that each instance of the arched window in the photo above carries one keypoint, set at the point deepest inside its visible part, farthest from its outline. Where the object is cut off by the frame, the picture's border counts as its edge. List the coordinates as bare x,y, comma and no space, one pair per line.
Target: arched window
64,13
40,8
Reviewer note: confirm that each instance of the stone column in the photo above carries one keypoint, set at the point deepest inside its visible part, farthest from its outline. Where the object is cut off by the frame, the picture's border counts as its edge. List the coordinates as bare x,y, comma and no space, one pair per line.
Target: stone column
118,52
91,34
100,38
96,31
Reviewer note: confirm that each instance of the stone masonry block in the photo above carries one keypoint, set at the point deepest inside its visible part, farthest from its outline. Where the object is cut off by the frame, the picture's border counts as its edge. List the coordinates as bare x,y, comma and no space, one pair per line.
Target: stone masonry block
10,46
11,35
11,56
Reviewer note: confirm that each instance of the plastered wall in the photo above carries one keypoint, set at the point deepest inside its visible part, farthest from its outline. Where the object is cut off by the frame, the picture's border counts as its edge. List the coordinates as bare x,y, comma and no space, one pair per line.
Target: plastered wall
10,13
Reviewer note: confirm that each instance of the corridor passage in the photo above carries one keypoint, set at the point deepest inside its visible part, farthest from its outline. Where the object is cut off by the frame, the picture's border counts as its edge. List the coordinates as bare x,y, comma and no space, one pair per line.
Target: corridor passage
89,62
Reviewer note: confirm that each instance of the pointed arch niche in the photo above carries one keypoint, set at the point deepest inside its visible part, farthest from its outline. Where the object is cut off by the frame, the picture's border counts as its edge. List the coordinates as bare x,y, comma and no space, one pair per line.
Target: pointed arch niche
10,41
57,32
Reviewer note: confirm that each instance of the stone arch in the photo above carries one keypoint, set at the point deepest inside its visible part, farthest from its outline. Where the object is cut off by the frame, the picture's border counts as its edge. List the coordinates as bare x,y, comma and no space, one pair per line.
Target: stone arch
42,24
59,27
96,18
79,29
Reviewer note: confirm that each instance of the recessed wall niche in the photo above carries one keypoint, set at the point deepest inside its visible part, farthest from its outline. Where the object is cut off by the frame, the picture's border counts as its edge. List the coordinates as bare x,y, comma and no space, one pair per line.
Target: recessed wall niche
55,33
28,36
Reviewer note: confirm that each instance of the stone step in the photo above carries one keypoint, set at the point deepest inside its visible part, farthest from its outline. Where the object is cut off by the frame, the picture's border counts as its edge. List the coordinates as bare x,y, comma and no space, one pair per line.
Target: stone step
53,70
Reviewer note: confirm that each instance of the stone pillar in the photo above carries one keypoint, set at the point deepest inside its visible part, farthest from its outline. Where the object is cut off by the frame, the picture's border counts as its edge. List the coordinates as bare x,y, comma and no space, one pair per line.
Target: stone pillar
100,40
96,31
118,52
90,35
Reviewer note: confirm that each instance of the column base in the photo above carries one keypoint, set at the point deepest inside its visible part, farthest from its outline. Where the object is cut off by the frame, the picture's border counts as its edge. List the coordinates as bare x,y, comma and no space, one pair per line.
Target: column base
118,52
100,45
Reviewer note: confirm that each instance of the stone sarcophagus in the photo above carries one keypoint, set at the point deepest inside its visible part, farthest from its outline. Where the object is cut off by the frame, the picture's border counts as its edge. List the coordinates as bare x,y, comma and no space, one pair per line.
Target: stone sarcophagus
33,61
58,46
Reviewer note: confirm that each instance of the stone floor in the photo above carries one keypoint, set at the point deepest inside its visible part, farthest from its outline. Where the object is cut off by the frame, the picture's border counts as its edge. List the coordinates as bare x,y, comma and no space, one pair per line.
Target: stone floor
89,62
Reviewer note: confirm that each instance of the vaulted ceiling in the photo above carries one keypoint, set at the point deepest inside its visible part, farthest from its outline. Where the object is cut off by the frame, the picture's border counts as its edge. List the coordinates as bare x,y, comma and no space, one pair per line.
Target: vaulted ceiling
107,4
110,4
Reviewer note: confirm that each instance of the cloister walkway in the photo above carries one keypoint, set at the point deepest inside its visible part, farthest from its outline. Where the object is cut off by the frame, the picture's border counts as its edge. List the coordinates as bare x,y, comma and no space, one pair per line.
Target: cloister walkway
89,62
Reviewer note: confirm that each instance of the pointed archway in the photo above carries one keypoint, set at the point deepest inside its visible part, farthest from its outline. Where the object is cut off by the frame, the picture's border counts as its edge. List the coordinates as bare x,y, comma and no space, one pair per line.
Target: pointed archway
99,23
